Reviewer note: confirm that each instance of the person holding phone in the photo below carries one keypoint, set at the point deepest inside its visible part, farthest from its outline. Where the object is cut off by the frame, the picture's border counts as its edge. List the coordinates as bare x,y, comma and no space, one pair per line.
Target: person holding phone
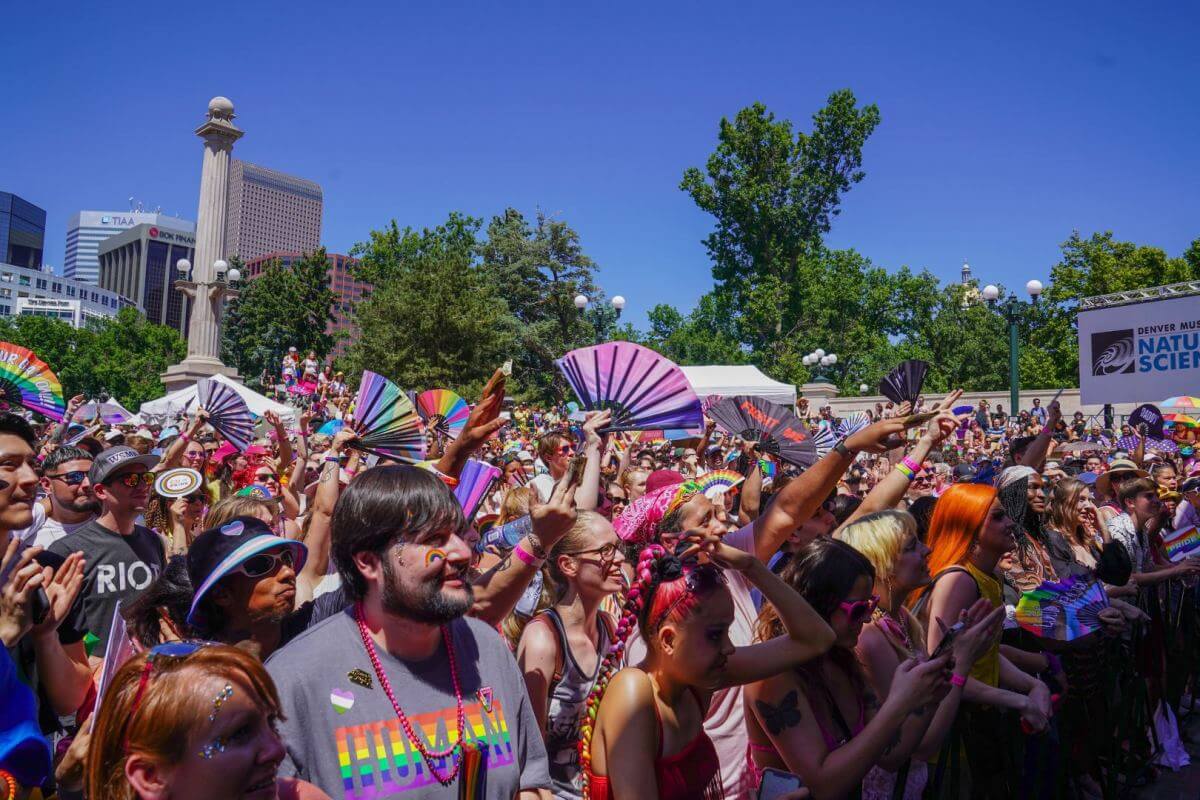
820,719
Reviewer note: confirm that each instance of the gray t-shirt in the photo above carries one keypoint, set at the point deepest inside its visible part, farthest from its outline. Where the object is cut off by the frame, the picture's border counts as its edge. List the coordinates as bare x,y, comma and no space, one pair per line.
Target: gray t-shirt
343,735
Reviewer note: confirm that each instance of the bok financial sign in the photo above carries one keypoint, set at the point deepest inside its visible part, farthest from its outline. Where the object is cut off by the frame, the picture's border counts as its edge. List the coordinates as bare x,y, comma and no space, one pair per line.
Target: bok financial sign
1140,352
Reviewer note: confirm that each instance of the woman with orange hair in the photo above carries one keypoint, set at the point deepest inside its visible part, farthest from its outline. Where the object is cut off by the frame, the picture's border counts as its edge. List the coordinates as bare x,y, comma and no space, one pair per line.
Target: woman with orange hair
969,533
190,720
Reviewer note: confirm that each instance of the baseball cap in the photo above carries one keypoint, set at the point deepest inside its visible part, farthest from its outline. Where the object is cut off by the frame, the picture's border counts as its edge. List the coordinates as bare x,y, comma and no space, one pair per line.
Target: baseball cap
114,460
663,477
1087,478
217,552
964,473
1190,485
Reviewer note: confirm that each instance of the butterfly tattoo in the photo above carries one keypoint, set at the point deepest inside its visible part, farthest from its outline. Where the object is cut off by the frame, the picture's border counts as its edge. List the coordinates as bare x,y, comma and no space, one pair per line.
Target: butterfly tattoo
780,717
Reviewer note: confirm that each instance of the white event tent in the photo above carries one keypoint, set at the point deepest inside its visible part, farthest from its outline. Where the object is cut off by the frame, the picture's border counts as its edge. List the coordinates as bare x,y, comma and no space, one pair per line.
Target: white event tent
183,401
728,381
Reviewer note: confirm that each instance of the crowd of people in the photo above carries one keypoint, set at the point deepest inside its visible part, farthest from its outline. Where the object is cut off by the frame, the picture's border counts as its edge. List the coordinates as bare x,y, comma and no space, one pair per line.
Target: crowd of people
621,616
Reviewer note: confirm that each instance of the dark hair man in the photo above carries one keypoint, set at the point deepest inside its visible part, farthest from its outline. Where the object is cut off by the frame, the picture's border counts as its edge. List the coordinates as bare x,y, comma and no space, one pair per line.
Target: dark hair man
69,503
404,663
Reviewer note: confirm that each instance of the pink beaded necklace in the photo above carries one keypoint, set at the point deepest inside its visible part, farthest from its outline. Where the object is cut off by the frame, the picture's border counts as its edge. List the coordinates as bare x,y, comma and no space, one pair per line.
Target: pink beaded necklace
417,741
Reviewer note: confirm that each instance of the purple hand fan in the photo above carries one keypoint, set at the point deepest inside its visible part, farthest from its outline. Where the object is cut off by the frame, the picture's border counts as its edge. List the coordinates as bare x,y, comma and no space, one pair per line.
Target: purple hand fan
852,423
777,430
474,482
824,440
1148,415
227,412
386,421
903,384
643,389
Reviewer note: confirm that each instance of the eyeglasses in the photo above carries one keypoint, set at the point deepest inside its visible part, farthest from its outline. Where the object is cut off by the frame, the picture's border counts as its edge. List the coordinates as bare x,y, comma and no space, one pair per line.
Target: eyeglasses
196,455
194,498
607,552
267,476
697,578
132,479
72,478
164,650
860,609
266,563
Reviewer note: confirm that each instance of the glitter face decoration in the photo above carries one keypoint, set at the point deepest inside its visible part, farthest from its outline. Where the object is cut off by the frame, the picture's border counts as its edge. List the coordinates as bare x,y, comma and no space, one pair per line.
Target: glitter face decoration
213,748
435,554
219,700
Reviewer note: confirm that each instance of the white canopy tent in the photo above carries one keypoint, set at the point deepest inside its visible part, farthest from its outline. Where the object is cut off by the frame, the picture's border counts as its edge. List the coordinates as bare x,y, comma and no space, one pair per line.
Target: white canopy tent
728,381
184,402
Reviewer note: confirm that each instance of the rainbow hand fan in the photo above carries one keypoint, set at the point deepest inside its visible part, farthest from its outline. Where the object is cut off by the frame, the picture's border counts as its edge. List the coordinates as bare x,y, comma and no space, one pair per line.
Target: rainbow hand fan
1063,611
474,482
852,423
386,422
718,482
26,381
443,412
227,412
1182,543
644,390
777,430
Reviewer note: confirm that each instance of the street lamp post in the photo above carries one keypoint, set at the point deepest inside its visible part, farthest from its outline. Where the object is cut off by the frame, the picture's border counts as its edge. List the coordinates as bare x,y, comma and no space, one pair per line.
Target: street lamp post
618,304
1012,310
821,360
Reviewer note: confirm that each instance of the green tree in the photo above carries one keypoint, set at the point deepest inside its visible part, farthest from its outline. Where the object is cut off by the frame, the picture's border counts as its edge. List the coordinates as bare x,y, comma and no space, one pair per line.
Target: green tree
283,307
435,318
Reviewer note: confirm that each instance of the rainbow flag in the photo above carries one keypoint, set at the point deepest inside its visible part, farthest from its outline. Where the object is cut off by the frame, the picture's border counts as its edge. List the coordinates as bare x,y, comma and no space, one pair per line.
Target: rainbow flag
1182,543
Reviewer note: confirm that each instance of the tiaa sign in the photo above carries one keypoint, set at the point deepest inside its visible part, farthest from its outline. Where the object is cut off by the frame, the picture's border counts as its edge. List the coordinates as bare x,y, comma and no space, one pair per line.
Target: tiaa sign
1141,352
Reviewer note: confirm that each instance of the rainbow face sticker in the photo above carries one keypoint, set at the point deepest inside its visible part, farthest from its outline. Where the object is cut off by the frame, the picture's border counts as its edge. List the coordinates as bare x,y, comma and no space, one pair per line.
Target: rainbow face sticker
434,555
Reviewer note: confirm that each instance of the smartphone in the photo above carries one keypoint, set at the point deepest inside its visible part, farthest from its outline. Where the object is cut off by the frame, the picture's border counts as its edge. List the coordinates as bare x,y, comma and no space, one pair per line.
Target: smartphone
948,640
777,783
575,469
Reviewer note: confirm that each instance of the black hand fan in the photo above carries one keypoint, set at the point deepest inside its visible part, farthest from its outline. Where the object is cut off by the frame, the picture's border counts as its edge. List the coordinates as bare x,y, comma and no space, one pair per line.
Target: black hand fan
644,390
1151,417
386,421
227,412
777,430
903,384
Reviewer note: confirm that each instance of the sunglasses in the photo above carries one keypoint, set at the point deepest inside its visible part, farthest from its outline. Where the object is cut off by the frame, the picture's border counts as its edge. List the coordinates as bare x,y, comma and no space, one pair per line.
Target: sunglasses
859,610
132,479
566,449
72,478
194,498
164,650
266,476
266,563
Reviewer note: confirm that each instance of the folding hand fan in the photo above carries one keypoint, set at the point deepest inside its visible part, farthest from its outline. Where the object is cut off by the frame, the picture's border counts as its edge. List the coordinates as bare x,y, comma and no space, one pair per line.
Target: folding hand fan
110,412
227,412
852,423
1146,414
1064,611
386,422
824,440
718,482
777,430
26,381
643,389
443,412
474,482
903,384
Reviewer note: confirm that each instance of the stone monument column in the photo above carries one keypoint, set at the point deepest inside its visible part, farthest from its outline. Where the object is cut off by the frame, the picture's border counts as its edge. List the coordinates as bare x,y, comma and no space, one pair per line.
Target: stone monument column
207,290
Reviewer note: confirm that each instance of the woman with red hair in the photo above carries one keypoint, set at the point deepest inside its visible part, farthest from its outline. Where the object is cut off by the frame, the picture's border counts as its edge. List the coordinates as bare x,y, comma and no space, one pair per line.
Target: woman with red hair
969,533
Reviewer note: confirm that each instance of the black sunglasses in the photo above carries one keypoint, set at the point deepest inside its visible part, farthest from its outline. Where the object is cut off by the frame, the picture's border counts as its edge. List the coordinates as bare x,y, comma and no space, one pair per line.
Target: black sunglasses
72,478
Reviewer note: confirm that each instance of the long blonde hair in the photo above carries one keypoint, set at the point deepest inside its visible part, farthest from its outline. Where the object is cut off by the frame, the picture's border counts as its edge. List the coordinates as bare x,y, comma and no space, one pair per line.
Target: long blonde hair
880,537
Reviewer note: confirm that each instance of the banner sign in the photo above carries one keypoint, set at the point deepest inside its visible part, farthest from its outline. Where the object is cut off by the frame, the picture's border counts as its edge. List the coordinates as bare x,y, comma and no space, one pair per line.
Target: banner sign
1139,352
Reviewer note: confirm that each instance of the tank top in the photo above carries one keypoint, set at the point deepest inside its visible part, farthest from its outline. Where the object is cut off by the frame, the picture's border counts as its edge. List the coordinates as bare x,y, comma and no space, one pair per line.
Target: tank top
691,774
987,668
568,693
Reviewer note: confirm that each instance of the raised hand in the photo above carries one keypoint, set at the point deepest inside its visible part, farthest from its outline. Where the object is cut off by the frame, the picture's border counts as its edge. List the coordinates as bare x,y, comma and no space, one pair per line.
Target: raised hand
272,419
16,595
880,436
594,421
552,519
62,590
916,684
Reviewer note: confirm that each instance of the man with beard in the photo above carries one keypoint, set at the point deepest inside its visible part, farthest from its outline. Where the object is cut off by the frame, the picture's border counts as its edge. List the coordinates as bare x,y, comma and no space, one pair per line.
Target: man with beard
400,692
69,495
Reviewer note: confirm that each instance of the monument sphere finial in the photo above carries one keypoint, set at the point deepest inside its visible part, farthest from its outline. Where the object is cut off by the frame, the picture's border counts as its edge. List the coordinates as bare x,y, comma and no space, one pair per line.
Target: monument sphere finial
220,107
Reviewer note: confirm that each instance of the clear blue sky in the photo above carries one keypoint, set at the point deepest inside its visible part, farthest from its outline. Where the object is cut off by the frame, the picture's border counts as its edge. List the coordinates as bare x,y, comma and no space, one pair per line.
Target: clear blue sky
1005,125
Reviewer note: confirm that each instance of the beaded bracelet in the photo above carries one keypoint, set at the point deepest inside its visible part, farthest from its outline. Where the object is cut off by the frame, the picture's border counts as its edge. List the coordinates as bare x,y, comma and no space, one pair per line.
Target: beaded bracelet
10,784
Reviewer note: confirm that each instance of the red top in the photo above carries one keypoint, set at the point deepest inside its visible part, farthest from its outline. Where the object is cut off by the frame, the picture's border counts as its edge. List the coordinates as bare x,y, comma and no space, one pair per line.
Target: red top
691,774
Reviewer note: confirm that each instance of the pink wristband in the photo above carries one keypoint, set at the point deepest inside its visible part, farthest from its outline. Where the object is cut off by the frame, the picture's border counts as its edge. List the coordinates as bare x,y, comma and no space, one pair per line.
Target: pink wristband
520,553
913,465
958,680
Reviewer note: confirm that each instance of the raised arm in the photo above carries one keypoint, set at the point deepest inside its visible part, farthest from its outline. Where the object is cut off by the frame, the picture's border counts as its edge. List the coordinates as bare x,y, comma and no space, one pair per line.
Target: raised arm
174,455
285,442
587,496
321,515
1035,454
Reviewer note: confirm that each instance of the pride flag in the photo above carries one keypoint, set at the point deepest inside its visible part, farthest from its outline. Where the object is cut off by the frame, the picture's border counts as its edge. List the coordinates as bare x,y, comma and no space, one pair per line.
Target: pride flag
1182,543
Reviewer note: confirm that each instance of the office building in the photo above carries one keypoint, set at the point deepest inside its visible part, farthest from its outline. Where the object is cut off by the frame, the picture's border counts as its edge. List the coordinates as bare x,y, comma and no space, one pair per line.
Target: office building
42,293
270,212
22,232
347,292
139,265
88,229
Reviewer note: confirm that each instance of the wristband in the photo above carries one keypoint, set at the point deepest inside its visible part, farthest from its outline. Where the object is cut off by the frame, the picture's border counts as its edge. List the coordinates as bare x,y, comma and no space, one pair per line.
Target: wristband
351,472
333,459
520,553
183,437
841,449
913,465
958,680
905,471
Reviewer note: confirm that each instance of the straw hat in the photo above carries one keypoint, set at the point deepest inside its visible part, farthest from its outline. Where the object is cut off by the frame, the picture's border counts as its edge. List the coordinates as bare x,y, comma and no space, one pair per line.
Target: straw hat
1121,466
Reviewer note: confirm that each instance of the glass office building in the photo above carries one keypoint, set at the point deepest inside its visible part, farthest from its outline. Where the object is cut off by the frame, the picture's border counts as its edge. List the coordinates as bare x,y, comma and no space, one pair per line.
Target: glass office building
22,232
